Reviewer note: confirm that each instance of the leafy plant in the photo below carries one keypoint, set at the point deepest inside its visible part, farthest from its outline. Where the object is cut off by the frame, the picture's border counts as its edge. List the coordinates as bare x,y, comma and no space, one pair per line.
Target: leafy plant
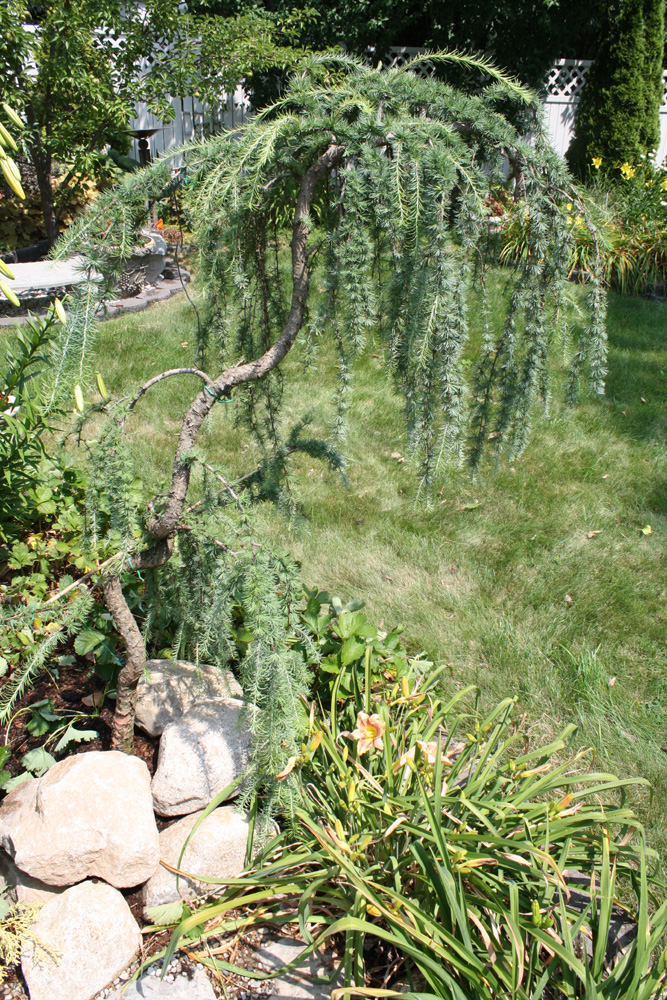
24,418
75,74
448,838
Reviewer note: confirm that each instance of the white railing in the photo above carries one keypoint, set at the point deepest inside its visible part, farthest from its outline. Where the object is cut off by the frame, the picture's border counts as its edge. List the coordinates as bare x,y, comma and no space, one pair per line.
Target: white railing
192,120
562,88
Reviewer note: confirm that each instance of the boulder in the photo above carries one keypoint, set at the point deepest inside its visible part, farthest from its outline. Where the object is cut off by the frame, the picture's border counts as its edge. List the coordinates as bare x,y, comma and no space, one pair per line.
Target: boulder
217,850
79,941
297,983
193,984
89,815
200,754
23,888
170,687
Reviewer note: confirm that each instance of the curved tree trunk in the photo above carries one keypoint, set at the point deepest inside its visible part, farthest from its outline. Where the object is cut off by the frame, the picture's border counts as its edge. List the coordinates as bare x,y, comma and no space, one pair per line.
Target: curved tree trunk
163,528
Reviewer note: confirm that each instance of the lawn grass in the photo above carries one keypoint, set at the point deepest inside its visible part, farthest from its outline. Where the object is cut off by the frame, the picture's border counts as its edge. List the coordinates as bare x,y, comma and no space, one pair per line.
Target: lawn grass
513,595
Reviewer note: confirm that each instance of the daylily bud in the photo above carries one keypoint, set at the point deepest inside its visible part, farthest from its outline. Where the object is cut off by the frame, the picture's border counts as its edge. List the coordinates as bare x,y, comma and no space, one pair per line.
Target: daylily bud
60,312
13,117
7,291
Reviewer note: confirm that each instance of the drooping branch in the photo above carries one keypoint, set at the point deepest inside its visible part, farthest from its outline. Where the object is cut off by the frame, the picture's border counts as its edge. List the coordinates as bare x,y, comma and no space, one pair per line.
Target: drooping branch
163,528
165,525
163,375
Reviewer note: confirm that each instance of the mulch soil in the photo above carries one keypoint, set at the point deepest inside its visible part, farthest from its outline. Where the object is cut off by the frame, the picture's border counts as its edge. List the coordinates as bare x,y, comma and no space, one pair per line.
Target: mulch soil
66,691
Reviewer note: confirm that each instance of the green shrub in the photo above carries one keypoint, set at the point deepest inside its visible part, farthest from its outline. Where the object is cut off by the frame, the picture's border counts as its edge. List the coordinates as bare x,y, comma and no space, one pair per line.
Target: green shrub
24,421
618,112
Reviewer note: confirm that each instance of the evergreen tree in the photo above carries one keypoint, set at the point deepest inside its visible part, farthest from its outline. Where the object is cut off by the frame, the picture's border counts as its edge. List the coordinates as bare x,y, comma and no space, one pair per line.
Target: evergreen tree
378,178
654,88
618,113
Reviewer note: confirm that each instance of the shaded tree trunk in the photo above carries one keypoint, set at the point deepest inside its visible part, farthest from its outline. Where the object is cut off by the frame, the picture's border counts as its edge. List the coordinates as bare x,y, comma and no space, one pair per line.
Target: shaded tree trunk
43,164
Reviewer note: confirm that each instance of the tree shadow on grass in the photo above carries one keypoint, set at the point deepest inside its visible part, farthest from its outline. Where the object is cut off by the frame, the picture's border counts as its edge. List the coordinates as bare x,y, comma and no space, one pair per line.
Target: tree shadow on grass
636,394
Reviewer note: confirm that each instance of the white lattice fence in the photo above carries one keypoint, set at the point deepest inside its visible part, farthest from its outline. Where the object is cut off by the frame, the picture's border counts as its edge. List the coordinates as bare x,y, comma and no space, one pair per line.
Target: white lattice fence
400,55
562,87
563,84
191,120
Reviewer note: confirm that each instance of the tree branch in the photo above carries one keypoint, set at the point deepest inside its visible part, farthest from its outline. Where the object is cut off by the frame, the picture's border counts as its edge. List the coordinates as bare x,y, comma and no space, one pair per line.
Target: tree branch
172,371
126,687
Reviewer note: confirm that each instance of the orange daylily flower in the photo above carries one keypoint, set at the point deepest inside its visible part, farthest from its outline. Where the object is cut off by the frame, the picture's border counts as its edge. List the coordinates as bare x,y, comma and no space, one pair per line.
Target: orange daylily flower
369,732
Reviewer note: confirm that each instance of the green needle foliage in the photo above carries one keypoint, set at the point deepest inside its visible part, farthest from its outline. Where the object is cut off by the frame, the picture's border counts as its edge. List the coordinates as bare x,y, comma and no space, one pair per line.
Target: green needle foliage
378,179
399,231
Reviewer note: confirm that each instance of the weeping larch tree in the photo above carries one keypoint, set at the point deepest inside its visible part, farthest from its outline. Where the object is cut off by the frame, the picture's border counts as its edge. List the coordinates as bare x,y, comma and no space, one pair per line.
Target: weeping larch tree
378,179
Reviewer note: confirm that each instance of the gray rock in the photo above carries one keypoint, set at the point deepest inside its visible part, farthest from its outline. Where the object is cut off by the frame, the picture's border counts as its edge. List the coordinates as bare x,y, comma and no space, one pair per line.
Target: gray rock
622,927
297,983
89,815
173,686
217,850
182,988
79,942
200,754
22,887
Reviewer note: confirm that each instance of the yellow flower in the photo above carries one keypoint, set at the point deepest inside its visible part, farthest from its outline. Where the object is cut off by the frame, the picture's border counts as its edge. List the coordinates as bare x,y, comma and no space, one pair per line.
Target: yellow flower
627,170
664,185
369,732
597,162
429,752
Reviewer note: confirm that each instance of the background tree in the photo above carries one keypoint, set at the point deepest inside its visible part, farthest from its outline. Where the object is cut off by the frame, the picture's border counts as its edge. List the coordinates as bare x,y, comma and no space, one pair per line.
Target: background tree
378,179
618,113
654,43
523,36
74,69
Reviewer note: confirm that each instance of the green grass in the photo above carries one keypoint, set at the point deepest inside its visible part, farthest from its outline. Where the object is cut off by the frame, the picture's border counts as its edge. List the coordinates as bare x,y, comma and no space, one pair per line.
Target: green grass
512,595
